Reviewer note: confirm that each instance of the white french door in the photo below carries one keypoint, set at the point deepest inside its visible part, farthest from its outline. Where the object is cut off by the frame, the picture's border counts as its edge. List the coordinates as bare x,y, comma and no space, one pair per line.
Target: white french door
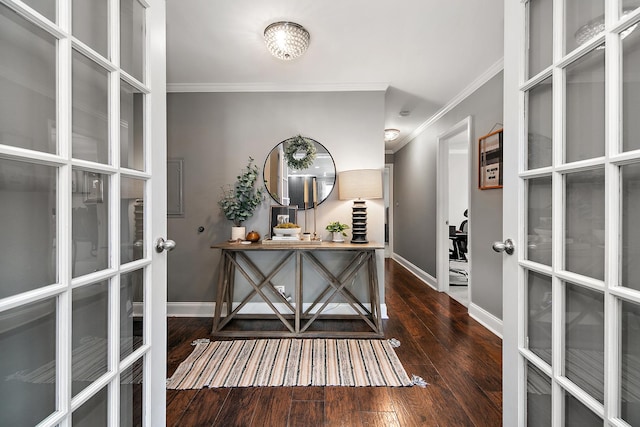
82,194
572,157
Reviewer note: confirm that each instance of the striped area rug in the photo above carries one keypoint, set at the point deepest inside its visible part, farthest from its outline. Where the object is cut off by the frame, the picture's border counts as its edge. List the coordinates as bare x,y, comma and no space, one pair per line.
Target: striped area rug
290,362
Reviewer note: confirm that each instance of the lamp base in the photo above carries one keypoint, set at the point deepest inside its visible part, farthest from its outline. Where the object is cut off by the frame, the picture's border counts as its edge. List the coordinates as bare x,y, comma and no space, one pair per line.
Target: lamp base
359,222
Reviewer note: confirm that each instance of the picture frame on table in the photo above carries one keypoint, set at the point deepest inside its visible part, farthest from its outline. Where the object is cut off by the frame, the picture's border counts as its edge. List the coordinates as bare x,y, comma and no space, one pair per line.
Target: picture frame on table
490,160
282,214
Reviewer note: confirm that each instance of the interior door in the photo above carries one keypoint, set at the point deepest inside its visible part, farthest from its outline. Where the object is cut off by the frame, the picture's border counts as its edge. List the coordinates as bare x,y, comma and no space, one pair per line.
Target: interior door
82,194
572,176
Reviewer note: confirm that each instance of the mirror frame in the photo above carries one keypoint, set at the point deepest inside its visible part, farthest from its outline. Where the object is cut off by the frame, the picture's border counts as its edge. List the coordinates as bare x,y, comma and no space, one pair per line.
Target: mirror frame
320,150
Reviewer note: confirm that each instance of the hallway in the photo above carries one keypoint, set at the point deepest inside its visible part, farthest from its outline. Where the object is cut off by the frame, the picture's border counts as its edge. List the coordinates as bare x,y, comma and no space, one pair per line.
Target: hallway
459,358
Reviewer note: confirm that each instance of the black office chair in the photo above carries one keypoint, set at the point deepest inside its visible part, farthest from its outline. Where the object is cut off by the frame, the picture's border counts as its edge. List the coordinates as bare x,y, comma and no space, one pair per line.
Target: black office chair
461,241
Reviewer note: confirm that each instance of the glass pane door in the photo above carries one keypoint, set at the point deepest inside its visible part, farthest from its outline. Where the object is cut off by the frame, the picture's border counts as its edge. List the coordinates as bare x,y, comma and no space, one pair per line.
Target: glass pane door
76,263
576,135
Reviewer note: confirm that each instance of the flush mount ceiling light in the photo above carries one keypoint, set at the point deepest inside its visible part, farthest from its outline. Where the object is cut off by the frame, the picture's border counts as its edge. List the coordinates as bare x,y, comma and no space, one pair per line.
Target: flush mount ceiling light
286,40
391,134
596,26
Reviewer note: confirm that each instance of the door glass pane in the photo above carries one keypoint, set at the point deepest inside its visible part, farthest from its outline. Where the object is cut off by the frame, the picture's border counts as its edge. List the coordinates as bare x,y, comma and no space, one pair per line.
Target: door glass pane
584,335
538,398
539,315
132,38
630,364
585,108
584,223
131,395
131,312
27,84
46,7
90,110
540,46
584,20
539,220
631,91
90,217
578,415
131,127
90,320
28,368
28,218
131,219
91,23
93,413
539,125
630,232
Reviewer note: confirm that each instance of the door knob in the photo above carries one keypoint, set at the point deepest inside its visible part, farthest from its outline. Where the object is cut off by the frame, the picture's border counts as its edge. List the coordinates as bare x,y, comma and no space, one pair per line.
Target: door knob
164,245
507,246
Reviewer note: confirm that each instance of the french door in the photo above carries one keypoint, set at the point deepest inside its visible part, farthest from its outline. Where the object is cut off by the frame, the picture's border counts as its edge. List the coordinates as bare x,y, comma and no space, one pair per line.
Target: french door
82,194
572,153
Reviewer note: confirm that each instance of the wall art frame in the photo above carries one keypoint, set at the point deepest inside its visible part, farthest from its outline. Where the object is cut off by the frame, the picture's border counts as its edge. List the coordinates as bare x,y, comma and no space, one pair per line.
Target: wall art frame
490,160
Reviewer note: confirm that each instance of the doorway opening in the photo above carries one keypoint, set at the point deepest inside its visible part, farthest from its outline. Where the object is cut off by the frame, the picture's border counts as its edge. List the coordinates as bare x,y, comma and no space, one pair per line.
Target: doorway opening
388,213
454,220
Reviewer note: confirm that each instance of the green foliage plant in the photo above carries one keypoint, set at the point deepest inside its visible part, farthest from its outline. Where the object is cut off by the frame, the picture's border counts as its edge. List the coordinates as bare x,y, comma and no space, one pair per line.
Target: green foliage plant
337,227
239,201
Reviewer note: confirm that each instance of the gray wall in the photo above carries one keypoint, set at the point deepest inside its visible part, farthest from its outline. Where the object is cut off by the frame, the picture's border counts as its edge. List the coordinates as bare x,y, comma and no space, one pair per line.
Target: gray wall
415,192
215,133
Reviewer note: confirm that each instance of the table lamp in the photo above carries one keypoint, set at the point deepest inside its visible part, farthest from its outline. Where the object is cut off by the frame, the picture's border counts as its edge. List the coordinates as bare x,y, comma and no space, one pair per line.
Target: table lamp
358,185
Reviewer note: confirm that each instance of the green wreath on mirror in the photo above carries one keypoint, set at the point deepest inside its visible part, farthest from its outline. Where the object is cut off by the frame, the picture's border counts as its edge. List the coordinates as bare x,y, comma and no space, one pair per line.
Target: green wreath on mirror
299,145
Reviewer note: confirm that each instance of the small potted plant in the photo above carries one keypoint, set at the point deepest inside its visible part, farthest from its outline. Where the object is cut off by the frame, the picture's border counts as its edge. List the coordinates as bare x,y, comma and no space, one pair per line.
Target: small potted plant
239,201
337,230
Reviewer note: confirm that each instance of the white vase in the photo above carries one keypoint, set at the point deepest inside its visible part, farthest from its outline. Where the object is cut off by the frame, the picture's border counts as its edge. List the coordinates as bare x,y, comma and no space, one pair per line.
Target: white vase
238,233
337,237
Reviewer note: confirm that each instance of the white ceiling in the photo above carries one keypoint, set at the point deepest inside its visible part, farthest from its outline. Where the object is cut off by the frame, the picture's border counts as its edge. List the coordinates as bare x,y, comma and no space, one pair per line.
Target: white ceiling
425,52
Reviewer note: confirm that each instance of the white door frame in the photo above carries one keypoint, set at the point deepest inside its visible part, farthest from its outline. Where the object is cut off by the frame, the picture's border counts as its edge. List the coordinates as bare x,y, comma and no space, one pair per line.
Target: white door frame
442,203
512,302
389,169
156,307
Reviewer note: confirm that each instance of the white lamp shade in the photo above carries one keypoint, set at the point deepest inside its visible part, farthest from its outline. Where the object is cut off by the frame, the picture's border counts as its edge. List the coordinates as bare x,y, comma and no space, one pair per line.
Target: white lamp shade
360,184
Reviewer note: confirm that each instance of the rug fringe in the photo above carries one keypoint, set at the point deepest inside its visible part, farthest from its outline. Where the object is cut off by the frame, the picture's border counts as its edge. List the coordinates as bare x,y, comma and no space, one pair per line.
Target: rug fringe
419,381
394,343
201,341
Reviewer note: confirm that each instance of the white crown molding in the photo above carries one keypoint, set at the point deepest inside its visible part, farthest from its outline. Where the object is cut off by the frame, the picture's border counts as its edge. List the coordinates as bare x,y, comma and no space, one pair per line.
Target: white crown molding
466,92
276,87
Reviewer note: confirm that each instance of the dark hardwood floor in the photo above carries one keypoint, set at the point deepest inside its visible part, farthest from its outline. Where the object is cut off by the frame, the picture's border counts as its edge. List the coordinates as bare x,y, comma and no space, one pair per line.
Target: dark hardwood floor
459,358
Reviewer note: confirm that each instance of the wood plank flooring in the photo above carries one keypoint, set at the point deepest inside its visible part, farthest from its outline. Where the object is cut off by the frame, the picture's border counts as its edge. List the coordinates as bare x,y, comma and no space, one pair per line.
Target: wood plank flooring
459,358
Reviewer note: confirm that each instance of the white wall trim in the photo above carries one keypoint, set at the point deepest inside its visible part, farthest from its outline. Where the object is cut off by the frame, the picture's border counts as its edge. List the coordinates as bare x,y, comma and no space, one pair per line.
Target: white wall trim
276,87
416,271
206,309
466,92
486,319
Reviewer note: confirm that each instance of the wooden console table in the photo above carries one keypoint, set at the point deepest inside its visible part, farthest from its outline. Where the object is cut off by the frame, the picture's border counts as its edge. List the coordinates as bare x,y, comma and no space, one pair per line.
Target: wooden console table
234,259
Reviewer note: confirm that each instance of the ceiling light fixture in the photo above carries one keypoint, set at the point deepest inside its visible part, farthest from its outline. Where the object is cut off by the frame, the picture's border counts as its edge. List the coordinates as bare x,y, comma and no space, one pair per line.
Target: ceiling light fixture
391,134
596,26
286,40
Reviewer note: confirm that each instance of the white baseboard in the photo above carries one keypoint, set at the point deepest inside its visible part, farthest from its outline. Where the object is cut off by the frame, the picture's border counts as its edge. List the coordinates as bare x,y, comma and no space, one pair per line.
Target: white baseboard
206,309
416,271
487,319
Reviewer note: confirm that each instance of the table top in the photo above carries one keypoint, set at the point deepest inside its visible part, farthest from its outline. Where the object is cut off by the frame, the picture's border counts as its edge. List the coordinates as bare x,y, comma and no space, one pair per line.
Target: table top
298,246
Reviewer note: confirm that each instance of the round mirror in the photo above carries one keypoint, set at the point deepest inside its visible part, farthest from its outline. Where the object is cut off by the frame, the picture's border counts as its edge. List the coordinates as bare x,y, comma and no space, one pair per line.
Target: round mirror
295,163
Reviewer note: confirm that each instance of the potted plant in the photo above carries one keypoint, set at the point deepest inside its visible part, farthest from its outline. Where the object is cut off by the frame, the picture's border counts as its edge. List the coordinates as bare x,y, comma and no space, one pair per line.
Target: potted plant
337,230
239,201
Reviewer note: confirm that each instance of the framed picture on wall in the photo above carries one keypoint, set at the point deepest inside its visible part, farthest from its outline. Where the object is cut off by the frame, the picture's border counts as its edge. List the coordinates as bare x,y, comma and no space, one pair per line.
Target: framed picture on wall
490,161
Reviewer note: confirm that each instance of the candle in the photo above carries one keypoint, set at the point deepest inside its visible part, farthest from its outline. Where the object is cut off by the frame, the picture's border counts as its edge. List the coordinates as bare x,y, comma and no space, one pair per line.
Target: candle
314,186
306,192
